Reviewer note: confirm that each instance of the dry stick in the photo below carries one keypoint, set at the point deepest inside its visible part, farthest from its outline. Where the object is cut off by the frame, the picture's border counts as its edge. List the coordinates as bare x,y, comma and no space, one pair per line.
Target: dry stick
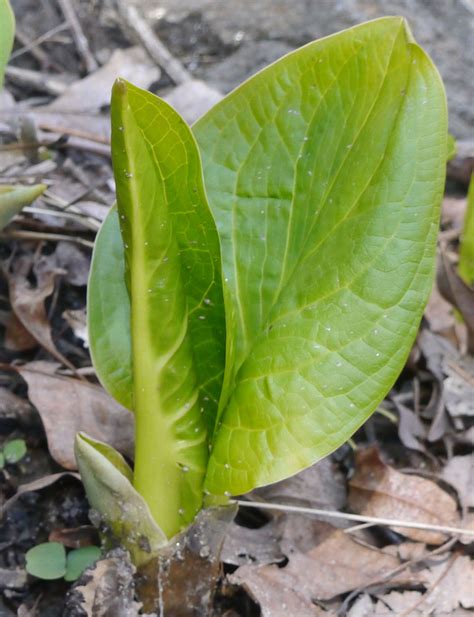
151,43
410,610
78,218
395,572
34,50
64,130
355,517
38,236
79,37
36,42
41,81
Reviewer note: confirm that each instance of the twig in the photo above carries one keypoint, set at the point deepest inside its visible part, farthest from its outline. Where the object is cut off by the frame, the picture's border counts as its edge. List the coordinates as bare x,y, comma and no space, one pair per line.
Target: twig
151,43
34,50
38,236
41,81
78,218
356,517
412,608
78,34
64,130
41,39
395,572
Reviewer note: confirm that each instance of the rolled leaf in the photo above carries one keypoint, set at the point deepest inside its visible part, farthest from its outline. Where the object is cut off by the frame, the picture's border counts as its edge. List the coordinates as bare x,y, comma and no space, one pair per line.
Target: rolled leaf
325,173
174,318
108,482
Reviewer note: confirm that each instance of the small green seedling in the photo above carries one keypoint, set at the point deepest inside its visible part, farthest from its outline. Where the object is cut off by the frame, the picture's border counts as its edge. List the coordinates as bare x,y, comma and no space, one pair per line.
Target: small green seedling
12,452
49,561
256,291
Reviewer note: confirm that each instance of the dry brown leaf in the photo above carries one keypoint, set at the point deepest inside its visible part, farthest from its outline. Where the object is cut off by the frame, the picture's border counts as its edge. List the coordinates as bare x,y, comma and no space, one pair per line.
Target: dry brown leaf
93,92
459,472
320,486
336,565
17,409
35,485
377,489
77,321
28,302
74,261
67,405
75,537
243,545
277,598
396,602
458,293
17,337
453,585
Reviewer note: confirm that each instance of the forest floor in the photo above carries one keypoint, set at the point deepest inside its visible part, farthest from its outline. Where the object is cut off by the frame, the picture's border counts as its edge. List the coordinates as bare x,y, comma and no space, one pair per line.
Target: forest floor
412,461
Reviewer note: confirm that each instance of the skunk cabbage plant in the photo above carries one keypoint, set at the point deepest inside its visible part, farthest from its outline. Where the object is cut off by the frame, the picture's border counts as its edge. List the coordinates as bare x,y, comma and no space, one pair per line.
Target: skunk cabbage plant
256,290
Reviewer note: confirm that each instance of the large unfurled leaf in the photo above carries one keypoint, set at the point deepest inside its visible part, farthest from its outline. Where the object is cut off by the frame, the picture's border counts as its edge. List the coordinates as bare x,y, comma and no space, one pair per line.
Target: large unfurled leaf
7,33
324,173
168,343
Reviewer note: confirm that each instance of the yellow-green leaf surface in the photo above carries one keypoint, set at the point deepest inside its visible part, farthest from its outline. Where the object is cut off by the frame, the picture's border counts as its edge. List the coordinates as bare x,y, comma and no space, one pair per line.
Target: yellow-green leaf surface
324,173
14,198
466,250
176,330
7,33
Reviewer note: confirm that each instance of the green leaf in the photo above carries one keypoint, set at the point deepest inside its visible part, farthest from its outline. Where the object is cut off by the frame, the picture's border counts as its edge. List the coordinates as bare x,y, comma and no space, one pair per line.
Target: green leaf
108,313
46,561
79,560
7,33
2,460
107,480
452,147
14,198
325,173
466,249
175,316
14,451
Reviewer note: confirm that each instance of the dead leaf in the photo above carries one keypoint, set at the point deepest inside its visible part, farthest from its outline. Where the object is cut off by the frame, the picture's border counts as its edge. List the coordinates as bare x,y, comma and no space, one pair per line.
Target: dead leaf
107,589
410,427
459,472
74,261
459,386
336,565
320,486
396,602
67,405
453,211
243,545
93,92
379,490
458,293
453,585
77,321
75,537
192,99
17,337
17,409
28,302
276,598
35,485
